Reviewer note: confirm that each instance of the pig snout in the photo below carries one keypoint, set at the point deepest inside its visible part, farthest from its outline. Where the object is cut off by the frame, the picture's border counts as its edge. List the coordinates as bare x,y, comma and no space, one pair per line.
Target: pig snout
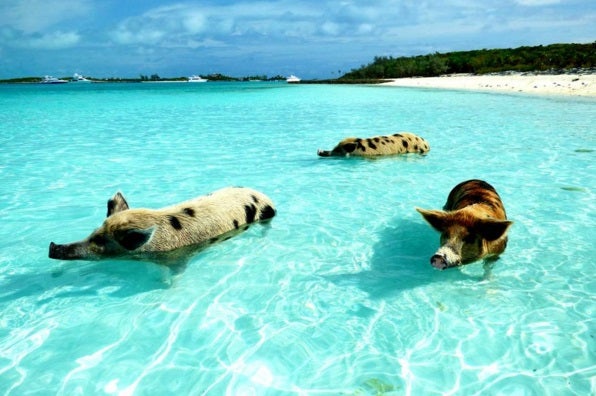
70,251
446,257
438,261
57,251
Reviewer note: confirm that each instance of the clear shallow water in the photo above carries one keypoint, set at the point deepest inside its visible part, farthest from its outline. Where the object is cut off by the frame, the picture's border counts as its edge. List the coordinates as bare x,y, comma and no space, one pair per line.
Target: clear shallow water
337,296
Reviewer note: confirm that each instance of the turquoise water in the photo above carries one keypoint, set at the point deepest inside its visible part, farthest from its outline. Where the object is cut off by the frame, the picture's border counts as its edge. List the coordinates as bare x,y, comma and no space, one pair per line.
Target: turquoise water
337,296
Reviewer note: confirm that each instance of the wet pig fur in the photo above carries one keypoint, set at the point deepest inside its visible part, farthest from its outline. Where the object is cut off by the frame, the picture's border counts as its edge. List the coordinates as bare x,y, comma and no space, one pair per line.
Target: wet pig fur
166,233
473,225
398,143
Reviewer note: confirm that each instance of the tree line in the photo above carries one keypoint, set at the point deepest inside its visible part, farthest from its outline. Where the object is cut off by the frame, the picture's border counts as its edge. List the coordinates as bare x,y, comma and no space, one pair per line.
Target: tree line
555,57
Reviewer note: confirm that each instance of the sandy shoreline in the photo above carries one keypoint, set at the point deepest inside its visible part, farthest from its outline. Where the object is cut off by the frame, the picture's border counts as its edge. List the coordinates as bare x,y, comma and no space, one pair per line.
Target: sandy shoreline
560,84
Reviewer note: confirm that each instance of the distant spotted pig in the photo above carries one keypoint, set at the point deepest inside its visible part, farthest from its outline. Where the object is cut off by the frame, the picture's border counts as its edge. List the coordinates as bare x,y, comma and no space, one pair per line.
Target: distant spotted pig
398,143
473,226
158,234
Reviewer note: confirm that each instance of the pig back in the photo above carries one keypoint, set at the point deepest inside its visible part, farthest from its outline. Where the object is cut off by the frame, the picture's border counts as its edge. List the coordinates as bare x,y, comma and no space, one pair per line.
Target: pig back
476,192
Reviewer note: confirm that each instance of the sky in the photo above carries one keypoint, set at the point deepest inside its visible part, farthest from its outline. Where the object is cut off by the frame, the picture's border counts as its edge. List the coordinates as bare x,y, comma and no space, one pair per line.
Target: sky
309,38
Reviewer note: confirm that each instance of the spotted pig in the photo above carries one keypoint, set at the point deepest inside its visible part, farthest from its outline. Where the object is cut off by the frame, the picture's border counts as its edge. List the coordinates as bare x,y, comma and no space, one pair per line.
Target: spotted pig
157,234
473,225
398,143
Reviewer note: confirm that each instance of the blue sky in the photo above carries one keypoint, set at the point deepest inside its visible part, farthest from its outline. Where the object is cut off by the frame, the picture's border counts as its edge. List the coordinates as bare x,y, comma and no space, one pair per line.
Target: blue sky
310,38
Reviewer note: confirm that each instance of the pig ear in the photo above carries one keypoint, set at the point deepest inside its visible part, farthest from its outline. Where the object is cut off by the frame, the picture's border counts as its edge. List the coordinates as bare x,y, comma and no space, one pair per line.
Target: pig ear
490,229
436,218
134,238
117,204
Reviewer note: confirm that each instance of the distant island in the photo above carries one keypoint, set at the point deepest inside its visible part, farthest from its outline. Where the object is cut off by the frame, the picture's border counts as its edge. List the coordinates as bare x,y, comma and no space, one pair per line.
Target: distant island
550,59
147,78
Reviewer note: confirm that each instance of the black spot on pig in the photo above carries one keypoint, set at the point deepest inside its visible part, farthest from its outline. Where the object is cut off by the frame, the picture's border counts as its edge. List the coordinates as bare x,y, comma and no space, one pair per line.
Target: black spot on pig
251,212
267,213
189,211
175,223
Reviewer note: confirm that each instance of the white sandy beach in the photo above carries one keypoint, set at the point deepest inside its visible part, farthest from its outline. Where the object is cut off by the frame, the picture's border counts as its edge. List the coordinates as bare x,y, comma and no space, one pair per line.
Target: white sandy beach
560,84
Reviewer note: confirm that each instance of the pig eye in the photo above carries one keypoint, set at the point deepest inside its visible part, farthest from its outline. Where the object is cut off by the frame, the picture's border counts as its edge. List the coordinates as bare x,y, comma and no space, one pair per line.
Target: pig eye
98,240
470,238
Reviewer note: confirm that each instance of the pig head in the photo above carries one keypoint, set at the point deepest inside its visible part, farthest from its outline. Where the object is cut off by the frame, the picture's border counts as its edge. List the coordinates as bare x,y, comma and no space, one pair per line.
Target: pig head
473,225
154,234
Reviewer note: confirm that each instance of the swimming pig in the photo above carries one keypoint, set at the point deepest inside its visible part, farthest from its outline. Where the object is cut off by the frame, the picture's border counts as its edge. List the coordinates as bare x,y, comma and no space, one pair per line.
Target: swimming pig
164,234
473,226
398,143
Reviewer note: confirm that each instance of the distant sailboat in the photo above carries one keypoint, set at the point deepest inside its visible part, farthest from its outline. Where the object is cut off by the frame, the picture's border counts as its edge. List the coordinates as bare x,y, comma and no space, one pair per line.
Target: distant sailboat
78,78
197,79
52,80
293,79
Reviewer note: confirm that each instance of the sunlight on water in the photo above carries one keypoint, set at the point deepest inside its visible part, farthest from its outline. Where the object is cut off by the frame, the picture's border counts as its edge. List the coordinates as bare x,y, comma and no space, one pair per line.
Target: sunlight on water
336,296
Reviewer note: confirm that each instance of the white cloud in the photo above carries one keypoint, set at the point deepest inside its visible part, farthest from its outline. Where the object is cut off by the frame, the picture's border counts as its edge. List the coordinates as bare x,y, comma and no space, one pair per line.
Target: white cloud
54,40
194,22
537,3
365,28
140,36
31,16
330,28
254,21
160,25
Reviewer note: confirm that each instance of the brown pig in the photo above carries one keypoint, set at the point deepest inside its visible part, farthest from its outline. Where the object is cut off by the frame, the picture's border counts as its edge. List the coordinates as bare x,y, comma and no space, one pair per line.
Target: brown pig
164,235
473,225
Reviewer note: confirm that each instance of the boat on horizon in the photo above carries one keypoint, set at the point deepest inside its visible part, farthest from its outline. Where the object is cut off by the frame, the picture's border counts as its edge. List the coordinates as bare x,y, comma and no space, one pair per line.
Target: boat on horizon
293,79
79,78
52,80
197,79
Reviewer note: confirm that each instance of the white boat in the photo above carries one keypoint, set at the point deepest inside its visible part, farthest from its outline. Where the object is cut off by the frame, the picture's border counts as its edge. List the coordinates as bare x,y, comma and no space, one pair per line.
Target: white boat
197,79
52,80
78,78
293,79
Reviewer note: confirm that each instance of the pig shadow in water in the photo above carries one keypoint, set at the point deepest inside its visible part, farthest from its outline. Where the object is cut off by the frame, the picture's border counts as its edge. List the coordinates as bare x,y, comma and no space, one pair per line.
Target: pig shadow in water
400,262
117,279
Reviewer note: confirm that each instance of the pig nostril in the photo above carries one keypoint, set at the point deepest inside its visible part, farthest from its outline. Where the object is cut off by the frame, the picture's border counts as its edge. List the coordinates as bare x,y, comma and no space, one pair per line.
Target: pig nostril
438,261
